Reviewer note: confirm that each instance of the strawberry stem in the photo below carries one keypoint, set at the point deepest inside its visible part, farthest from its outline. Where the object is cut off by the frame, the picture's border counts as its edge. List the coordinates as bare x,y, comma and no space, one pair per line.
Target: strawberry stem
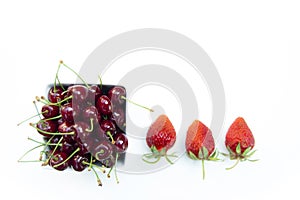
203,169
235,164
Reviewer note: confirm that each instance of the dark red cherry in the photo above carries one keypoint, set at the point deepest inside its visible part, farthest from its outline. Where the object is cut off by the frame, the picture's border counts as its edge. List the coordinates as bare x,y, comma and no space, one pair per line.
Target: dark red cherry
66,128
53,140
103,150
49,126
104,105
91,112
77,162
108,125
79,93
57,159
94,94
121,142
49,111
118,116
116,93
60,121
67,148
56,95
69,113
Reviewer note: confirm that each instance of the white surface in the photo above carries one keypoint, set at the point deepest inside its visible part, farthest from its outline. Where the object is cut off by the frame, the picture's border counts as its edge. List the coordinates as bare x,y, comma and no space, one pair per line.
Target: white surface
254,45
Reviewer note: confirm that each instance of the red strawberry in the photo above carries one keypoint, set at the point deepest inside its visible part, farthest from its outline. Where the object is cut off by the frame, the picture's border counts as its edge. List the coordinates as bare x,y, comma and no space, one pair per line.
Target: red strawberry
239,141
161,136
200,143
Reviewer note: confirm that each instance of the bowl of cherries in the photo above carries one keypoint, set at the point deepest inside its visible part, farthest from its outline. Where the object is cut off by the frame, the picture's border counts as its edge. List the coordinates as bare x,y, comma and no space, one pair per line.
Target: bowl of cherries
82,126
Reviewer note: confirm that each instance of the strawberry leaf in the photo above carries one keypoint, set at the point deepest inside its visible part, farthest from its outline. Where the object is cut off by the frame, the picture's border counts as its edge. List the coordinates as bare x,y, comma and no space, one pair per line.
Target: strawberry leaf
238,149
246,151
192,155
251,153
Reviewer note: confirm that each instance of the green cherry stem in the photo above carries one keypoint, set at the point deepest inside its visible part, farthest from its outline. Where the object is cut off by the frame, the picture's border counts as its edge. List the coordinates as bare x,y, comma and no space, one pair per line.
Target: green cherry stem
21,158
36,108
31,118
111,137
45,147
75,74
55,148
97,176
130,101
100,80
50,133
235,164
115,168
68,158
46,144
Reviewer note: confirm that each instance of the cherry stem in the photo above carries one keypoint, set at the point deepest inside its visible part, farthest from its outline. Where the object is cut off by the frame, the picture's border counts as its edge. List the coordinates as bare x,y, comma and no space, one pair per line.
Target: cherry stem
75,74
130,101
20,159
50,133
100,80
97,176
110,170
31,117
44,150
91,126
203,169
68,158
55,148
56,77
36,108
235,164
45,101
93,165
111,137
115,170
91,162
46,144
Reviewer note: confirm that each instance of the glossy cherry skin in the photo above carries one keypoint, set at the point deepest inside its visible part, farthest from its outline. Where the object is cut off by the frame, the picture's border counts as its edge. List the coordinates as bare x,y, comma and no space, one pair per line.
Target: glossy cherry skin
69,113
54,140
103,150
57,95
91,112
49,111
115,94
118,116
121,142
48,126
58,158
104,105
67,128
81,130
94,94
108,125
67,148
79,93
77,162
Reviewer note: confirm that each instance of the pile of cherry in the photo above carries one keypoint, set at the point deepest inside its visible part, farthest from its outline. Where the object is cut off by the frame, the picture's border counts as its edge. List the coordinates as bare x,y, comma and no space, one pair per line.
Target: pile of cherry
83,126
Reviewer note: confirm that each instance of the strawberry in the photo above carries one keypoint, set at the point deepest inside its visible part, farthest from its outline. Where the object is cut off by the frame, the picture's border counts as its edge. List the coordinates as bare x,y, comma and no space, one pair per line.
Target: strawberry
200,143
161,136
239,141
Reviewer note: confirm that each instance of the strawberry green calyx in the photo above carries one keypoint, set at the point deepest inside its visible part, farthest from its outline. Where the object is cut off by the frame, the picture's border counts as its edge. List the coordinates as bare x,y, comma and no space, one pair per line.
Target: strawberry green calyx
155,155
240,155
203,155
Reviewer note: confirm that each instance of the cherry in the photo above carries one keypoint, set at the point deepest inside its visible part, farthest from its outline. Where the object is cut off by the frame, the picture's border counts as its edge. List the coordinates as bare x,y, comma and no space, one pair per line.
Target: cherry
103,150
78,162
82,132
91,112
60,121
108,126
66,147
52,140
55,94
94,93
121,142
47,126
117,94
68,112
49,111
78,92
118,116
104,105
57,159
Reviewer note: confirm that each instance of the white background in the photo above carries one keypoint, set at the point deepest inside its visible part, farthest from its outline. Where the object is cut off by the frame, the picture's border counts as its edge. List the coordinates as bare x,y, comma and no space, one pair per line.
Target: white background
255,46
